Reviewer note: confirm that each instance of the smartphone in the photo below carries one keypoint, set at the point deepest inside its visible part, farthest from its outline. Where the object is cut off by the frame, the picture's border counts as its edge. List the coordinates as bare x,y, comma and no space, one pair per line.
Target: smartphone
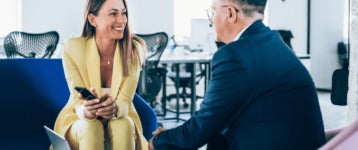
85,93
88,95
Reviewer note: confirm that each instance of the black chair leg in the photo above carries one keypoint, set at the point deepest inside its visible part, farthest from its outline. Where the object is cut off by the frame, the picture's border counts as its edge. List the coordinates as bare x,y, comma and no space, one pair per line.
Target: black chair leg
184,95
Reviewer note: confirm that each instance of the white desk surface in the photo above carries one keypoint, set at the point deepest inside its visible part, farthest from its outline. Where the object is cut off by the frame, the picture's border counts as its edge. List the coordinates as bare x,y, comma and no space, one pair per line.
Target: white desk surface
181,55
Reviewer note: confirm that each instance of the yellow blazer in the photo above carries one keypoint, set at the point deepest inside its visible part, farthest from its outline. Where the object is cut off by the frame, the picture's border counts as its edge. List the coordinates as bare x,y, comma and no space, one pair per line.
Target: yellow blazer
81,63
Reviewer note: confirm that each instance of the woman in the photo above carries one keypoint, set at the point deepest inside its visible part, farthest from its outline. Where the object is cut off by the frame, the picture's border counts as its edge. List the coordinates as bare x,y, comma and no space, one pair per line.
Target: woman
106,59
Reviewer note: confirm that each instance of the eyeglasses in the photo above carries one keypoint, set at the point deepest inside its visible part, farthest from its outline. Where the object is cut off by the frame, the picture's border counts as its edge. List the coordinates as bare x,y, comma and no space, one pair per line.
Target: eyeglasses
211,13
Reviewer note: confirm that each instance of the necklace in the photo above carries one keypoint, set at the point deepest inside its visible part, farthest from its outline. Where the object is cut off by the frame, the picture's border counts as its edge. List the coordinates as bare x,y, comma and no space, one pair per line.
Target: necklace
107,58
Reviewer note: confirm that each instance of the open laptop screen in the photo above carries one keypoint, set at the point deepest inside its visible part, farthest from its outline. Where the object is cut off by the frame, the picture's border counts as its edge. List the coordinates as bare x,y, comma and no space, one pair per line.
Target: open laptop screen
58,142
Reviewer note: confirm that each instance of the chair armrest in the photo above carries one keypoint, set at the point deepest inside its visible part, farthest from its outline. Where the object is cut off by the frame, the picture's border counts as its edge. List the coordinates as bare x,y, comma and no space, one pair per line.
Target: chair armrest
147,116
332,132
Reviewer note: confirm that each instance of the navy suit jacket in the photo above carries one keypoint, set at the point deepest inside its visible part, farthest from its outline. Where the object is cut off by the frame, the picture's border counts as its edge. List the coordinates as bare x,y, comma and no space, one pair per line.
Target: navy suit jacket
260,96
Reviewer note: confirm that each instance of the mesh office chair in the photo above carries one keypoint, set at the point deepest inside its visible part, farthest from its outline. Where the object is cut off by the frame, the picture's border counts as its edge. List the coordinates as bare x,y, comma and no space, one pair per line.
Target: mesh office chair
340,77
31,45
149,83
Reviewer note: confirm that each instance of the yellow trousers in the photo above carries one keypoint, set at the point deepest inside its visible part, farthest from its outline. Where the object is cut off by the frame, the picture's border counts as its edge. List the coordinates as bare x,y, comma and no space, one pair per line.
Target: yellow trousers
87,134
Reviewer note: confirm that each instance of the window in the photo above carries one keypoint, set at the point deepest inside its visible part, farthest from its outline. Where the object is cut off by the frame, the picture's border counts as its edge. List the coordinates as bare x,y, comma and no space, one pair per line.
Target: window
10,16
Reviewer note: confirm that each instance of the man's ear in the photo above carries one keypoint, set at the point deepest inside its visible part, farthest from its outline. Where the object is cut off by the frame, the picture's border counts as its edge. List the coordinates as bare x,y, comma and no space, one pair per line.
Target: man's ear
233,15
92,20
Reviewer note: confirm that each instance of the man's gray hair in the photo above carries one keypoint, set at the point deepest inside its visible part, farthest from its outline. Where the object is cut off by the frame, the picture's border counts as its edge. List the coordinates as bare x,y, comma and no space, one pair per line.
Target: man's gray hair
250,6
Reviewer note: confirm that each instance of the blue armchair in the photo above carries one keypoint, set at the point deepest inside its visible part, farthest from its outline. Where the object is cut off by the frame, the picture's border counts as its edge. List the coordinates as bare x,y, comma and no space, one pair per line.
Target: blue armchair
147,116
33,91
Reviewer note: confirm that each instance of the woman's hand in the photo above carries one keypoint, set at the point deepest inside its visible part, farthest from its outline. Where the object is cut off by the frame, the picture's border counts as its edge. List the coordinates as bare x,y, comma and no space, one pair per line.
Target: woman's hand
108,108
91,106
104,107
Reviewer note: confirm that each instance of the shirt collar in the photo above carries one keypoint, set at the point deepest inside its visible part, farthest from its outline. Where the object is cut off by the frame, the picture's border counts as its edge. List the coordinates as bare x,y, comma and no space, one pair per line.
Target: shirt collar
241,32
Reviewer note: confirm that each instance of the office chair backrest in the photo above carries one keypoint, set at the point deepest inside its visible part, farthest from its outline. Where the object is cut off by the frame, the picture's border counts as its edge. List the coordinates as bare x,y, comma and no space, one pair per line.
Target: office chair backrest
149,83
340,77
286,36
156,44
31,45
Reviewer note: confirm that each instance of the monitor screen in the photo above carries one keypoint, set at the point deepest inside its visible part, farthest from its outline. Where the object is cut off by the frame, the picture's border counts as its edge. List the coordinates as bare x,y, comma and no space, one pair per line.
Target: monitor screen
202,36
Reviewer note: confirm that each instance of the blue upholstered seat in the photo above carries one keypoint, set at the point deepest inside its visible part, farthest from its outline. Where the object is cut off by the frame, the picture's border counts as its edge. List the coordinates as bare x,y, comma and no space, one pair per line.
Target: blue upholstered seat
32,92
147,116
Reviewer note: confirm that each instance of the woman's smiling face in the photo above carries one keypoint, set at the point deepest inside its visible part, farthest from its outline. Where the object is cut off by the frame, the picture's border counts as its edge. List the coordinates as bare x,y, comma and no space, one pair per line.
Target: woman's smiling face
111,20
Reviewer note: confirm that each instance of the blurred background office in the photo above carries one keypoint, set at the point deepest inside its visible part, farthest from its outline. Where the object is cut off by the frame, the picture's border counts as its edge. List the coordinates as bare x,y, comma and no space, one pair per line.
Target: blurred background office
317,26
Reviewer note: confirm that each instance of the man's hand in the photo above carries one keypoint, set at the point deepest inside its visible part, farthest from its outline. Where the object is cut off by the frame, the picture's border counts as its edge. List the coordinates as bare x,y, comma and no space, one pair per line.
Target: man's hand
150,142
158,131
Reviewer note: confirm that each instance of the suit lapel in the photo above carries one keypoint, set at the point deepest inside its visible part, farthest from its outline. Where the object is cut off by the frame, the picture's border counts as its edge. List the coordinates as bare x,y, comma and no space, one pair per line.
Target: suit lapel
93,65
117,74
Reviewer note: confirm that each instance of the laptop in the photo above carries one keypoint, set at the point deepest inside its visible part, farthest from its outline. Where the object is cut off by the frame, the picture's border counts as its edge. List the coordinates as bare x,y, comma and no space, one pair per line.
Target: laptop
58,142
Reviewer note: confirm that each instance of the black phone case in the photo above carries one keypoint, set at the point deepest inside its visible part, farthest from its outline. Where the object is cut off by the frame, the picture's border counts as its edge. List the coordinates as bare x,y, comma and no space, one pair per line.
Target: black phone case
85,93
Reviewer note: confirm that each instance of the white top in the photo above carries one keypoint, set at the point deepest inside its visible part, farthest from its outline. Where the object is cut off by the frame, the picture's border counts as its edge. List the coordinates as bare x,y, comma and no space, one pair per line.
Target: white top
106,90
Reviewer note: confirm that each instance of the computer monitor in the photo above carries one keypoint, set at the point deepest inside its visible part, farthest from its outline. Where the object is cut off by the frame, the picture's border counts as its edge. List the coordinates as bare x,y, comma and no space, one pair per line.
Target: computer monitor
202,36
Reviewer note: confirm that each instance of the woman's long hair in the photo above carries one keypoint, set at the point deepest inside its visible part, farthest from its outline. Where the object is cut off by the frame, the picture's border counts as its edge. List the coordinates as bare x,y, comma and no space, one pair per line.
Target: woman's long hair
128,49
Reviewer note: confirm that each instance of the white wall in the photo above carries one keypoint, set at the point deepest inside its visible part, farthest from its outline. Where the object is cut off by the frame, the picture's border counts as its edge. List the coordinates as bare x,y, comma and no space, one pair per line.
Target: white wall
149,16
290,15
64,16
327,21
327,28
9,15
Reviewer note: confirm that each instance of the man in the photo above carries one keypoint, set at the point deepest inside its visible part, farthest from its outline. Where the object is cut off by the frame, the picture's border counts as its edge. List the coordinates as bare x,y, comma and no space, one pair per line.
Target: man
260,96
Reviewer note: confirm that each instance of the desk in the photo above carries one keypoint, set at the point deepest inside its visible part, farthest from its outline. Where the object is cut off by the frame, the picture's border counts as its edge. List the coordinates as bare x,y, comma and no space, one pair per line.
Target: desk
182,56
